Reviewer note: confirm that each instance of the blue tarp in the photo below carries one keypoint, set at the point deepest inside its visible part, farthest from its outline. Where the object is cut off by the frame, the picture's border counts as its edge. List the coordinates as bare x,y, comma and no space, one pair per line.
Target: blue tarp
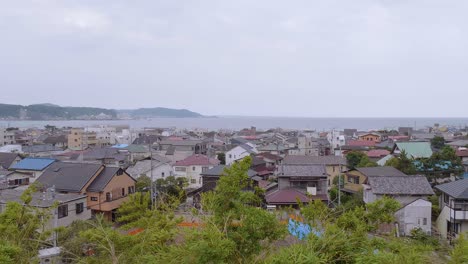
301,230
120,146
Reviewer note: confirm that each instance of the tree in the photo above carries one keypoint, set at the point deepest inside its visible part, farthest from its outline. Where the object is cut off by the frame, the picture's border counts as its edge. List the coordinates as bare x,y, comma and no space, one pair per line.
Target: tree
342,237
136,207
143,183
222,158
232,208
171,186
358,159
23,230
459,253
438,142
402,163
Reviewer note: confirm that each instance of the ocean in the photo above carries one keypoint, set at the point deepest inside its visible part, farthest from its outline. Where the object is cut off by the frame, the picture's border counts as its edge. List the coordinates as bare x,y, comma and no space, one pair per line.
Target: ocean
261,123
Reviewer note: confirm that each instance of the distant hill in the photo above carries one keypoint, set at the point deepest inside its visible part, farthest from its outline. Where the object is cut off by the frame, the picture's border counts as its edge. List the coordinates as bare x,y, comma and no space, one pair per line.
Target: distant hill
159,112
55,112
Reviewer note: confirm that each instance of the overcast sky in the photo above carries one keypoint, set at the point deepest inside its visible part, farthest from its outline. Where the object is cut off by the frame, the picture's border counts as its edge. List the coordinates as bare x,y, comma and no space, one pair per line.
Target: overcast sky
266,58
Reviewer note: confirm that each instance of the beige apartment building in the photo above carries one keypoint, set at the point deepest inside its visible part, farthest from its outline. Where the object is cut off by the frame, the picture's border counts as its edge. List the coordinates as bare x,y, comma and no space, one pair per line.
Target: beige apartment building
79,139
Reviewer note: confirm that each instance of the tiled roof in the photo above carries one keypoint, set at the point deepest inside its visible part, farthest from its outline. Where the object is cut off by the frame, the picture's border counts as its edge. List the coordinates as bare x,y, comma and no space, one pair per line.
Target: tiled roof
55,139
380,171
38,198
33,164
6,159
377,153
314,160
415,149
361,143
302,171
103,179
290,196
400,185
71,177
197,159
218,170
456,189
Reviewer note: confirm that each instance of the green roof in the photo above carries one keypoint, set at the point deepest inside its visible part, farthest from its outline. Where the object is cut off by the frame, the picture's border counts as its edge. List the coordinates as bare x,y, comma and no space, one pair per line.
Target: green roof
415,149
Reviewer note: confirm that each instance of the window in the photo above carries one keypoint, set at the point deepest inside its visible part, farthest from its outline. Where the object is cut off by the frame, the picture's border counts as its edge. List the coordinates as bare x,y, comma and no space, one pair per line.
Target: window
119,172
203,169
131,189
94,198
62,211
193,181
108,197
76,140
193,168
123,191
424,221
446,198
162,174
180,168
230,156
79,208
333,168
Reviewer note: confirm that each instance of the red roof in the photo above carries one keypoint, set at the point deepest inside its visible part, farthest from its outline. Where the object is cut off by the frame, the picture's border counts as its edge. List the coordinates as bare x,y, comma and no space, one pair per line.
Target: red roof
361,143
197,159
462,153
290,196
269,156
377,153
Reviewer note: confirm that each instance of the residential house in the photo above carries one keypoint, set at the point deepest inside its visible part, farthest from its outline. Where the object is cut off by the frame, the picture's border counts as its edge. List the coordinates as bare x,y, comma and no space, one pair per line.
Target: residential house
414,150
64,208
192,167
106,187
240,152
193,146
42,150
60,141
211,176
299,182
7,136
334,165
336,139
377,154
157,168
137,152
354,179
453,204
79,139
308,146
374,137
8,159
411,191
28,170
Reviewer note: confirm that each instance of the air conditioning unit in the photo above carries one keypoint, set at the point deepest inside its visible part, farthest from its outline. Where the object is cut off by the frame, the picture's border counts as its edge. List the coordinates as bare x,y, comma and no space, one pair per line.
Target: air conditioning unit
312,190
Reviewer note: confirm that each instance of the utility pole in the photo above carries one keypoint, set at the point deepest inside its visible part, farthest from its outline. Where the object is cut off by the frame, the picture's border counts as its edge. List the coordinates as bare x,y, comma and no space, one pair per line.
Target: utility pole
339,180
151,171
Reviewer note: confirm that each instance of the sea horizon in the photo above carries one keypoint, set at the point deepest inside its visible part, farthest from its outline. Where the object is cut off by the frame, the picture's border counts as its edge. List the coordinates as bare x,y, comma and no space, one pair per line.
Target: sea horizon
261,123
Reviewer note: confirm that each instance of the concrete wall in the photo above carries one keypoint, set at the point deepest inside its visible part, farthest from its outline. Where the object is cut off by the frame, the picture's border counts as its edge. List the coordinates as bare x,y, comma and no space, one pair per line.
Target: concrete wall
415,215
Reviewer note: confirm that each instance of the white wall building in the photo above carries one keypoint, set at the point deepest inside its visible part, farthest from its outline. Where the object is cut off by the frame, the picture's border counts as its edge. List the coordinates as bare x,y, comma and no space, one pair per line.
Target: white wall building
240,152
7,137
192,167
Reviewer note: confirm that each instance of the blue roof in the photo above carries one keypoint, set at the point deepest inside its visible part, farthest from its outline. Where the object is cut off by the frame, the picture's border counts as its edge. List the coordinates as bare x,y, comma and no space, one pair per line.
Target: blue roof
34,164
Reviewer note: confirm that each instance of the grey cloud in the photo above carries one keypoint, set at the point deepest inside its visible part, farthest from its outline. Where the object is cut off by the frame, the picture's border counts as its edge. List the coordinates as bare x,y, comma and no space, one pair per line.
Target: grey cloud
300,58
